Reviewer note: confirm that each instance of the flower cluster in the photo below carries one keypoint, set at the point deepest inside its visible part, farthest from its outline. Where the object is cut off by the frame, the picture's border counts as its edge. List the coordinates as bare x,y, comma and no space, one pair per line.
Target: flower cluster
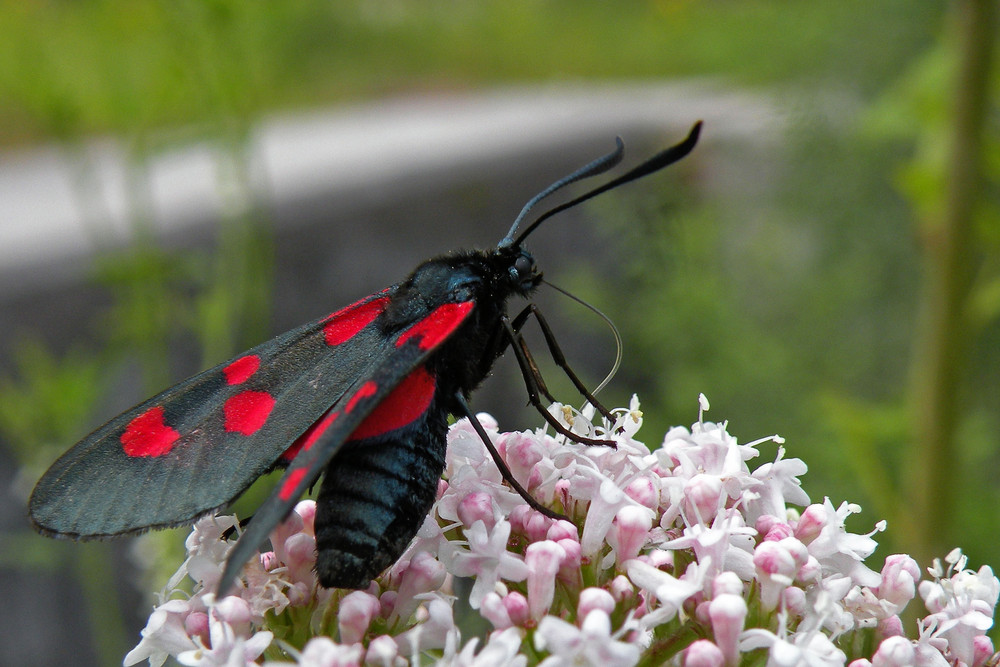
682,555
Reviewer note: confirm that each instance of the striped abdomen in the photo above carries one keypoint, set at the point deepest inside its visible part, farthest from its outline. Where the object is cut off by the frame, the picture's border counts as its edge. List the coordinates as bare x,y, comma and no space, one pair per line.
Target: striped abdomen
374,497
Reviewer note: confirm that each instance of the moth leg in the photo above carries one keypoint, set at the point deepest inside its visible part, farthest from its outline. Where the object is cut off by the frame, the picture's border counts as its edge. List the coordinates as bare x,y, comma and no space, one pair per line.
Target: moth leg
560,360
532,379
501,466
502,338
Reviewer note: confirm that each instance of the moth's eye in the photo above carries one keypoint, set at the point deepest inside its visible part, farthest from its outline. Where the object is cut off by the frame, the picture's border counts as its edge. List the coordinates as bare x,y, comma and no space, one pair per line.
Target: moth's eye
523,266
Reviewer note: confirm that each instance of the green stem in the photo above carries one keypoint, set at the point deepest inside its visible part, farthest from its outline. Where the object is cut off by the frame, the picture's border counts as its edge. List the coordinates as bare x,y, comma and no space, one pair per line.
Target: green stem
948,245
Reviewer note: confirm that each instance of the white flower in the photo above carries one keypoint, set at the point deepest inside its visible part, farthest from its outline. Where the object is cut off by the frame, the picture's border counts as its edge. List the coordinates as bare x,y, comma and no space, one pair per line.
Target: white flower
486,559
590,644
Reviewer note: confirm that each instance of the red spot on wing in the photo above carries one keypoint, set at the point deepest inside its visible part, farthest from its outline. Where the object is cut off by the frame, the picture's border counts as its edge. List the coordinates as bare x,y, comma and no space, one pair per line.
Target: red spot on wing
147,435
343,325
287,489
247,411
407,402
366,390
437,326
240,370
309,438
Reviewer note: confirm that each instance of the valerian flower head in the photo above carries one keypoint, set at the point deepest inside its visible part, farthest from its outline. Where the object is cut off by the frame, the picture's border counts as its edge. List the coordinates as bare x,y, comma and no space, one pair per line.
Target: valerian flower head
683,555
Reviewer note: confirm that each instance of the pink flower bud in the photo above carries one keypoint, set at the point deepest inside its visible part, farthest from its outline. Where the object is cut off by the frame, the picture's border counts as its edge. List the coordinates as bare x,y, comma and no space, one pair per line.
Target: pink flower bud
660,558
477,506
982,647
643,491
778,531
357,610
518,518
728,612
629,531
488,421
299,594
387,603
300,557
290,526
562,493
891,626
701,613
894,652
569,568
776,564
536,526
793,599
727,582
765,522
517,608
422,574
860,662
543,560
900,575
522,453
269,561
382,651
811,523
622,589
306,509
236,612
703,497
442,488
594,598
562,530
491,608
703,653
811,571
196,625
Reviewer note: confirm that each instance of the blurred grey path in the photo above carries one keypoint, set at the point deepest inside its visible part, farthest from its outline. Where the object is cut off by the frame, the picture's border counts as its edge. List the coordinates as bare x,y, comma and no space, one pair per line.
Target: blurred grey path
57,205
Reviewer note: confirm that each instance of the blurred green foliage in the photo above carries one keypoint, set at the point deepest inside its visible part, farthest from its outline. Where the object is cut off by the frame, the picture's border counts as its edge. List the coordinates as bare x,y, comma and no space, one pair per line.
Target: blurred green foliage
791,302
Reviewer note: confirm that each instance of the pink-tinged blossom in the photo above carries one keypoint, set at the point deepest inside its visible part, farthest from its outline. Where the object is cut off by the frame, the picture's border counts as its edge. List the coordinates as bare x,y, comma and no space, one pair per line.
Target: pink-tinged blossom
436,631
777,564
594,598
662,546
840,551
590,644
487,559
357,610
502,649
895,652
382,652
774,486
421,574
704,653
703,497
477,506
962,603
630,531
727,613
809,648
231,640
900,575
165,634
542,560
324,652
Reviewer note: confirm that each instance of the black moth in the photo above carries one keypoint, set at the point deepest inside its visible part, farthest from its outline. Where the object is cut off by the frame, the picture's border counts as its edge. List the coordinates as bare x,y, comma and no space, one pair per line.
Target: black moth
363,395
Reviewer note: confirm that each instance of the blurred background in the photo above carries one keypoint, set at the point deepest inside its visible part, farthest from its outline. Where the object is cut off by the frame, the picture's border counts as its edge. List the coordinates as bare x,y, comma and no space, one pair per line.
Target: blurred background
182,179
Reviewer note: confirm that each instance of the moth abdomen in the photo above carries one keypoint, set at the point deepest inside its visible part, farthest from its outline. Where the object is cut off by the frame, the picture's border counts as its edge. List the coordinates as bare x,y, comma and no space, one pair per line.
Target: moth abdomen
373,499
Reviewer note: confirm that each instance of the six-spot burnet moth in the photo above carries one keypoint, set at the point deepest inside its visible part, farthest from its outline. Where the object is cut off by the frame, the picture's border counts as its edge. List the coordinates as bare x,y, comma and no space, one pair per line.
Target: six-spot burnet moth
361,396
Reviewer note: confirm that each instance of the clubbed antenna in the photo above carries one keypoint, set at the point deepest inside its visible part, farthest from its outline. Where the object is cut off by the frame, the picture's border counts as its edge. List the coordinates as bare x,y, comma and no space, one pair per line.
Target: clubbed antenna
662,159
598,166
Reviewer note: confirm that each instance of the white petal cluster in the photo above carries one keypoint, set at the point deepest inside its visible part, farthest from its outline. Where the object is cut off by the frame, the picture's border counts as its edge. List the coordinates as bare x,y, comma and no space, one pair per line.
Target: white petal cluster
682,555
